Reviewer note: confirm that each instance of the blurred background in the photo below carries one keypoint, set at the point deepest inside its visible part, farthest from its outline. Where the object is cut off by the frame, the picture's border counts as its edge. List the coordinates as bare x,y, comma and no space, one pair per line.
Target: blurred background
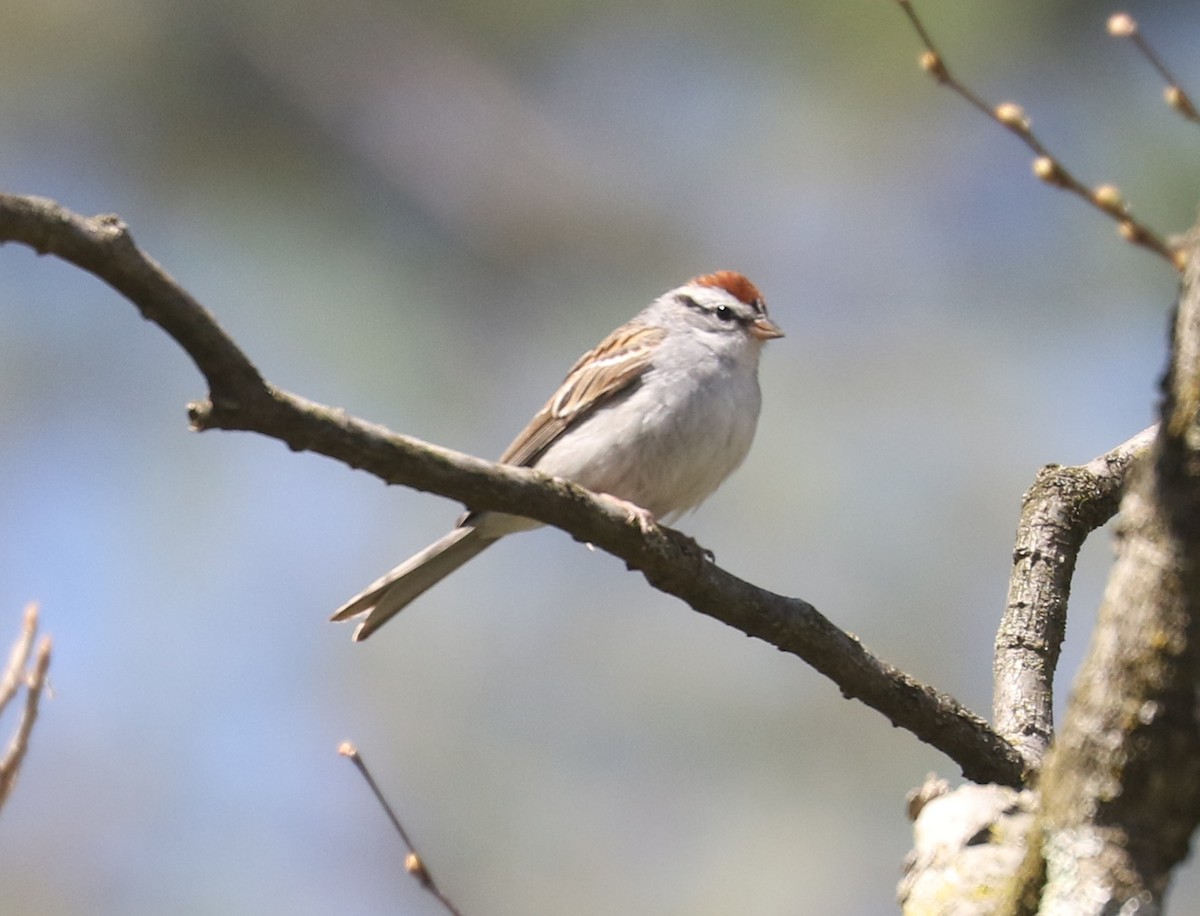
423,212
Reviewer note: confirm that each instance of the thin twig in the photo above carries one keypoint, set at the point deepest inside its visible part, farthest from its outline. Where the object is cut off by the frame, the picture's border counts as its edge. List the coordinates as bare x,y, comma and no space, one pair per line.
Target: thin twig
1122,25
413,863
14,672
34,680
1106,198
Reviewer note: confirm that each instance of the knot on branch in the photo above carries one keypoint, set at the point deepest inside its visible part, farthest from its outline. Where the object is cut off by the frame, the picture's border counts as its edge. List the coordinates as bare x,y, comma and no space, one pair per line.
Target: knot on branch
110,229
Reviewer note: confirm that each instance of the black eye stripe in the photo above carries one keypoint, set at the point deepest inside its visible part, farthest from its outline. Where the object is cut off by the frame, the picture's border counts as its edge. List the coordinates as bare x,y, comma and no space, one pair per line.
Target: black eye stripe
725,312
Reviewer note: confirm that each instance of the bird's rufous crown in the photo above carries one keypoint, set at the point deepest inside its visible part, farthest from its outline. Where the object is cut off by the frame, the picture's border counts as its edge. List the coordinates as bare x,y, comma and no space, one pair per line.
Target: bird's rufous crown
733,283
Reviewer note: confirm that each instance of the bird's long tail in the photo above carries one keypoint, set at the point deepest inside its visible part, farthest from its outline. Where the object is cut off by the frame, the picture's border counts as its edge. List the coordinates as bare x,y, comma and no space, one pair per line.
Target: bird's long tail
386,597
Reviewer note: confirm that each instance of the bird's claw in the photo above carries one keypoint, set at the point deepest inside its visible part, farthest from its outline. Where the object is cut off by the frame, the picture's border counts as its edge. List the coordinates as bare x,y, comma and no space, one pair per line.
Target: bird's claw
645,519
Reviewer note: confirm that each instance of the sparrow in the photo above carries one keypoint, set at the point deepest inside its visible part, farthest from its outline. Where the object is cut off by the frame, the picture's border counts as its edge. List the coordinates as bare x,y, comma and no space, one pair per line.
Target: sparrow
656,416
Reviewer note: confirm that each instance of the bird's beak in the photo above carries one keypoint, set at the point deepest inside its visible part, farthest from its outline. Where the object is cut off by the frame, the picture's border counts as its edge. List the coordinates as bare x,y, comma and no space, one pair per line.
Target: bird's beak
764,329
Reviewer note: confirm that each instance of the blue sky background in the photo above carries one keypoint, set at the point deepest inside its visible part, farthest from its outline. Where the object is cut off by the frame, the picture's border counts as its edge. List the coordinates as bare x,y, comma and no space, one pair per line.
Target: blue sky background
423,212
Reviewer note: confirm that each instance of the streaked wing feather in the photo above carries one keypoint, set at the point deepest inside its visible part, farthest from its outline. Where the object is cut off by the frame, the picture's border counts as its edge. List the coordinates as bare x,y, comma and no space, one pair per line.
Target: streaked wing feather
543,429
598,375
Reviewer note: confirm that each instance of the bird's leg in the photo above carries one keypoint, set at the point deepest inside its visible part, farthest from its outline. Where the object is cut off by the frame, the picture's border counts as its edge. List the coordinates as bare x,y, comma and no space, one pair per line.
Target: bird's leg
644,517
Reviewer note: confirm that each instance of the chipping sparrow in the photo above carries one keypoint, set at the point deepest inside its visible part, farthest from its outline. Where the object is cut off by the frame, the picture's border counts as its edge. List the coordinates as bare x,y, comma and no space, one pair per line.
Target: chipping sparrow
657,415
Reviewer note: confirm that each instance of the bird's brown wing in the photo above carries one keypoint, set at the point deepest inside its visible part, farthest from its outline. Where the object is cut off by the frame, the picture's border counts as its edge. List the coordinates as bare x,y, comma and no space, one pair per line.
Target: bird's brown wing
615,364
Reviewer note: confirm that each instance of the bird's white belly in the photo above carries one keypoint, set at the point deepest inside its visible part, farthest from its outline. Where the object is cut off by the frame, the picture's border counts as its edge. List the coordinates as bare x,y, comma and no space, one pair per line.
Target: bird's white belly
666,457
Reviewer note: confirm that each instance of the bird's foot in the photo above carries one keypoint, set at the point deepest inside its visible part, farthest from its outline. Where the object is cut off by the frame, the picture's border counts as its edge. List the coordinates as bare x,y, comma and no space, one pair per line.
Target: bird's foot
635,513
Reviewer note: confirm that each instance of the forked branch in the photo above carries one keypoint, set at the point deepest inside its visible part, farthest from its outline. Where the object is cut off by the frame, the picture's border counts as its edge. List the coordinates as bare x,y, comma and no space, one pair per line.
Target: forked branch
18,673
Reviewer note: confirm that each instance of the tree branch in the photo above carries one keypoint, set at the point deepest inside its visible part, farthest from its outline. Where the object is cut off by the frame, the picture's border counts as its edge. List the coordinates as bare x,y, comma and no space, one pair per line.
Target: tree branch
1121,790
241,400
1064,506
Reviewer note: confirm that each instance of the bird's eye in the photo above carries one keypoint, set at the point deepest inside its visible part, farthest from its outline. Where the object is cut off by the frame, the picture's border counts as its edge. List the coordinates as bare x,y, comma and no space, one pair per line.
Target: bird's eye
725,313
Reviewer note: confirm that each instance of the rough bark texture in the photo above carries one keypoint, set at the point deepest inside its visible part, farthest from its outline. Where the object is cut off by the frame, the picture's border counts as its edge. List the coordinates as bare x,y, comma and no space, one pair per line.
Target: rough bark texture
1064,506
1121,790
966,845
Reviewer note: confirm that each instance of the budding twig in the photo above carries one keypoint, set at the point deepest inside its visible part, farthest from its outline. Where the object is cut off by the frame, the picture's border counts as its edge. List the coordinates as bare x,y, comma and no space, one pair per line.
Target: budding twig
33,678
1122,25
413,864
1047,167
